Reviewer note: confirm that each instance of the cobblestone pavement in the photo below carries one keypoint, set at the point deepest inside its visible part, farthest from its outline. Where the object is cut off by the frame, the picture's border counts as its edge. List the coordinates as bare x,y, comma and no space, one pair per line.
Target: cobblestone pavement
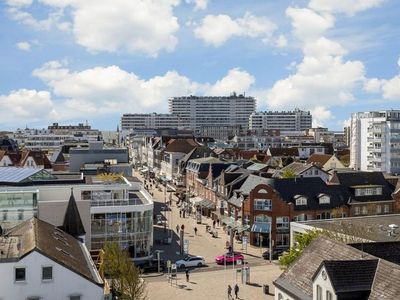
213,285
209,280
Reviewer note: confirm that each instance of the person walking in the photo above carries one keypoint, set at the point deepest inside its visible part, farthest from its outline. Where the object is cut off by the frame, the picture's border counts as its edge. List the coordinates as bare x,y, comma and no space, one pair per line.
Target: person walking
195,230
218,222
180,213
187,275
236,289
214,224
229,291
177,229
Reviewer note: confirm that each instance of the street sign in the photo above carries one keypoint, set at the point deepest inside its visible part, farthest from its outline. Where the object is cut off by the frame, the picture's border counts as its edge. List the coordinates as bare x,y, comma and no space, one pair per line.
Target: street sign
239,262
173,267
186,246
168,264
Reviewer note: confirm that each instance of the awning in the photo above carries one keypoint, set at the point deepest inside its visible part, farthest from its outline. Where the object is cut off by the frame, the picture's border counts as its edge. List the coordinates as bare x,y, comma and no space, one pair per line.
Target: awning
144,170
206,203
228,221
195,200
260,227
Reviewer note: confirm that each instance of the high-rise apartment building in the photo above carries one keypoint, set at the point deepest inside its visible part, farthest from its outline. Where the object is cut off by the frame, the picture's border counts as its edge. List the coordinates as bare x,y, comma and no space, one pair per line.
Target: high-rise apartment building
297,120
195,112
375,141
152,120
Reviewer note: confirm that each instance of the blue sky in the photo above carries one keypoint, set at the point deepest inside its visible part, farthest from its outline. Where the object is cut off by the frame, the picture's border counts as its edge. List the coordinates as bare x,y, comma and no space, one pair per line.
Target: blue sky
68,61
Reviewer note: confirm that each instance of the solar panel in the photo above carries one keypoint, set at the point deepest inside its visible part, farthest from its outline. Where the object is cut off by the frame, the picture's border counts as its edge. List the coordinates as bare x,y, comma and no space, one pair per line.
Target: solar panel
14,174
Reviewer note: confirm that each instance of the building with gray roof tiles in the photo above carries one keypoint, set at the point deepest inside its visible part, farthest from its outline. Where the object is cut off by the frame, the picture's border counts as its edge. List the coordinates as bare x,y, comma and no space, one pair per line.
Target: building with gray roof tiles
328,266
38,259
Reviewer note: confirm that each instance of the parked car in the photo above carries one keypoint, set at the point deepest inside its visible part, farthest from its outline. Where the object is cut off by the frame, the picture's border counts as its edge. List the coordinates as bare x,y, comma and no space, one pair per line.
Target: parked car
229,258
275,254
190,261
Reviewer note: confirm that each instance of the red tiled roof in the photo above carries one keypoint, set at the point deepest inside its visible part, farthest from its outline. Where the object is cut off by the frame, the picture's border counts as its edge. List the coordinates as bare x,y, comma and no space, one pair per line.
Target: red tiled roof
319,159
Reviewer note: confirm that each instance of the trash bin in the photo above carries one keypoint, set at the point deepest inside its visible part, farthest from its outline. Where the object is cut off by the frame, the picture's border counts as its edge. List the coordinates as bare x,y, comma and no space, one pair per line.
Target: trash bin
266,289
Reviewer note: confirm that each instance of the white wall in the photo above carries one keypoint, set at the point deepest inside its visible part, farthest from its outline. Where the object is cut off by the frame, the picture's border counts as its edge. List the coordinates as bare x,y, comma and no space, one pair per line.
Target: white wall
279,293
64,284
325,284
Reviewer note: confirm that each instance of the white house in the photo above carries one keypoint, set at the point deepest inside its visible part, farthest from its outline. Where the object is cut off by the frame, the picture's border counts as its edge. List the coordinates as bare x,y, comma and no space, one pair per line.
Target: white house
40,261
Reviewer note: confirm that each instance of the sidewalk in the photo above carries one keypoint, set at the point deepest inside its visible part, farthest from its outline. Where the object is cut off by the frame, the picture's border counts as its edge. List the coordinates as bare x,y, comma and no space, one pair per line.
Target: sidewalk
213,285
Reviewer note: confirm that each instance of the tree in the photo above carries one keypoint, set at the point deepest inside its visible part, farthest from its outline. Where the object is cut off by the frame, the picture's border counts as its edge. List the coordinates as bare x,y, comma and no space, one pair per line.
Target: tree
288,173
340,233
125,277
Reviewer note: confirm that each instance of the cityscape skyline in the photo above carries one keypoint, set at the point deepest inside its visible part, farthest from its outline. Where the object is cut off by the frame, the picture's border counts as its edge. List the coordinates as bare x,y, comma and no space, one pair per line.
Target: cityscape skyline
331,58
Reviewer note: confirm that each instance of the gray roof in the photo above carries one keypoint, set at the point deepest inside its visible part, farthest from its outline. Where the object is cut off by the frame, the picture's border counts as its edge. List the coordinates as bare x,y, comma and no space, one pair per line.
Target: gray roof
297,279
257,167
374,228
251,182
59,246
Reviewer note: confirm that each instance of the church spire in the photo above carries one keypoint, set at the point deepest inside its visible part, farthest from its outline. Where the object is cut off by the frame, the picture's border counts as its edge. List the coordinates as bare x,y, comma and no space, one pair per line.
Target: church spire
72,220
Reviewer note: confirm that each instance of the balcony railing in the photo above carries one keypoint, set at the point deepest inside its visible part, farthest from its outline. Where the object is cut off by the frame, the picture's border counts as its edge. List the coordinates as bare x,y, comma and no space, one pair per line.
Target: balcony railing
116,202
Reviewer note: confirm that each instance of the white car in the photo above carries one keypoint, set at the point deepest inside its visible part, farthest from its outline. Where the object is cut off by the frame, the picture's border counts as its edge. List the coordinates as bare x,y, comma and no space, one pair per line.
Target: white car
190,261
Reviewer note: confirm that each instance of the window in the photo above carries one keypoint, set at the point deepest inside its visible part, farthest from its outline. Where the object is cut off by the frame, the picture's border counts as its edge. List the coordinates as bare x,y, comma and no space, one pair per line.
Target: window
324,199
261,204
47,273
75,297
378,209
319,292
282,222
364,210
386,208
280,297
301,200
329,295
262,219
356,210
282,239
20,274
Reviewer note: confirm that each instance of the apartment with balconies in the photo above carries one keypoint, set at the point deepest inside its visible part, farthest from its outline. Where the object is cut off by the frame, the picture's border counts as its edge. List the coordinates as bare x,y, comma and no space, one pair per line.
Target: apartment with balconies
375,141
112,207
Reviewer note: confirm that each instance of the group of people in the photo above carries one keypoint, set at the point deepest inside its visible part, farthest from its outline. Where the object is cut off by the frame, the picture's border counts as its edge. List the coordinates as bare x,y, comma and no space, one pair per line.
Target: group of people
235,289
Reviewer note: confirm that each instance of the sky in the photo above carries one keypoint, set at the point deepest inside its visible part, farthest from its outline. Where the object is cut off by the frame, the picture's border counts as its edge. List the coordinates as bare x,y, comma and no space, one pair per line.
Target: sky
71,61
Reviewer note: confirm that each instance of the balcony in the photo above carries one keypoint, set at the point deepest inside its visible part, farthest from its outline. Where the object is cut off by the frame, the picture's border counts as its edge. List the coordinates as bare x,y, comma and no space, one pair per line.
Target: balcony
115,202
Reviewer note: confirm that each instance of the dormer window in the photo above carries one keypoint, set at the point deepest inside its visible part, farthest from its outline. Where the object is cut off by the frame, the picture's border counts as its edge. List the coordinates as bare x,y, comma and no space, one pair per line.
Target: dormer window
300,200
324,199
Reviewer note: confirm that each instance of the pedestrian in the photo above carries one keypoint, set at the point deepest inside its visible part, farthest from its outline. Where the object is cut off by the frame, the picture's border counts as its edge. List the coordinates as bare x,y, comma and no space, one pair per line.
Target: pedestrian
180,213
214,223
187,275
177,229
195,230
218,222
229,291
236,290
184,214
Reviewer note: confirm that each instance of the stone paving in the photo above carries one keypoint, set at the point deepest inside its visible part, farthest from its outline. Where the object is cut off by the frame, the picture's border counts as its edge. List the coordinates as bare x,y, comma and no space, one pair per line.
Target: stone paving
212,280
213,285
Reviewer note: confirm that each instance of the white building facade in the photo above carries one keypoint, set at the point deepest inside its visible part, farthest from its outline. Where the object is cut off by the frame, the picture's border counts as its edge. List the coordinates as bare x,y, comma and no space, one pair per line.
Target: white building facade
375,141
296,120
195,112
152,120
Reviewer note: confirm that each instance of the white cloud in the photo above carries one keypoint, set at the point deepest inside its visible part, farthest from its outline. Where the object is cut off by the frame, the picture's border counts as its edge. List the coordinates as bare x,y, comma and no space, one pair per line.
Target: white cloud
373,85
132,26
24,46
308,24
236,80
199,4
28,105
320,116
323,78
281,41
217,29
349,7
107,90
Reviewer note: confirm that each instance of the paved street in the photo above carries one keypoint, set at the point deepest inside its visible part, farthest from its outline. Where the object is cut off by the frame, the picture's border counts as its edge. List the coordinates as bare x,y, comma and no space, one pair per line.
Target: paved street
211,280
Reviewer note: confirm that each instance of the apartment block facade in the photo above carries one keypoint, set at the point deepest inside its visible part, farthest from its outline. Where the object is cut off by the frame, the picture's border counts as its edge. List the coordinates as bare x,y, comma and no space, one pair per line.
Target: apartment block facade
151,120
195,112
375,141
296,120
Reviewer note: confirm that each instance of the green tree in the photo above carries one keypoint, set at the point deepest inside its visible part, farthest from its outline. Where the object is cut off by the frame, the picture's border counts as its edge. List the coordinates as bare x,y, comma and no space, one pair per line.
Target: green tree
340,233
288,173
124,276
